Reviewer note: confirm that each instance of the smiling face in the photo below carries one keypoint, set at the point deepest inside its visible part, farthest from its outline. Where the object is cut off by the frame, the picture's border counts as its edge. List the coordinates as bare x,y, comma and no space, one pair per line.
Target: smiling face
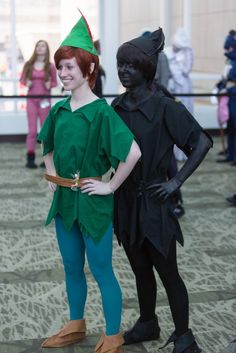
129,75
70,74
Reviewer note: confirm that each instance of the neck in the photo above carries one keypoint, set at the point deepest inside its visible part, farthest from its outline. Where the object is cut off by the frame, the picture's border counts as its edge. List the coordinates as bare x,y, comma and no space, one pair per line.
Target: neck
81,96
40,58
138,94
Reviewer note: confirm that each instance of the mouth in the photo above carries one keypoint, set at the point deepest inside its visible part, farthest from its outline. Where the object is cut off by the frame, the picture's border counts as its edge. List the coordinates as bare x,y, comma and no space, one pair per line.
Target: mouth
65,82
124,78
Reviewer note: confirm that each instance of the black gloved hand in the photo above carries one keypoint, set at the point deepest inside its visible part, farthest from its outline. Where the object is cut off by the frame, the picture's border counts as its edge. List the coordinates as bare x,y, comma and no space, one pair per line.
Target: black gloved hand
162,191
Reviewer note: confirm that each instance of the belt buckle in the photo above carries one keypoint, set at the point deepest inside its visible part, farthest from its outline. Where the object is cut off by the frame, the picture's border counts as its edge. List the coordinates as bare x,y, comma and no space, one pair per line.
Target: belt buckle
75,186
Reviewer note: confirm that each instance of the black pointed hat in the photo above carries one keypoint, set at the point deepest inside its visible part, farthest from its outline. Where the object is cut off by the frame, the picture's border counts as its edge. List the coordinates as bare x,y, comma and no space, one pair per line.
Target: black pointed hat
150,45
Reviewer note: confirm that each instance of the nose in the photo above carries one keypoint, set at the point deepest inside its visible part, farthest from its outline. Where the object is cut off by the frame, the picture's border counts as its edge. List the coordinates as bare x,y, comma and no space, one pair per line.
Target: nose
62,71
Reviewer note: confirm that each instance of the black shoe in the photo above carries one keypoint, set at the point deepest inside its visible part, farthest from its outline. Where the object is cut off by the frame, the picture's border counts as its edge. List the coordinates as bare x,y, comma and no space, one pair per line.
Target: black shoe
186,343
233,163
179,211
223,160
231,200
183,344
42,165
143,331
30,161
221,153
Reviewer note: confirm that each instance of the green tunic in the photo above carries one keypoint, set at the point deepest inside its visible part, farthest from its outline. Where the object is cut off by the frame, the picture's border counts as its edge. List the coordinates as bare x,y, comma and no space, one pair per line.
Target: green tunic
91,140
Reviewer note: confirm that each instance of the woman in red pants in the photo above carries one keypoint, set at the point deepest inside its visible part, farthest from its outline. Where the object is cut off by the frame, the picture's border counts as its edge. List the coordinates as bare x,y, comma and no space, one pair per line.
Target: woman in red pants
39,75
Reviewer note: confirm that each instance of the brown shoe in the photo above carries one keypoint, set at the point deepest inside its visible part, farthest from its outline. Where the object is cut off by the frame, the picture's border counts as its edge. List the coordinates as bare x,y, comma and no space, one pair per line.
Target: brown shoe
110,344
74,331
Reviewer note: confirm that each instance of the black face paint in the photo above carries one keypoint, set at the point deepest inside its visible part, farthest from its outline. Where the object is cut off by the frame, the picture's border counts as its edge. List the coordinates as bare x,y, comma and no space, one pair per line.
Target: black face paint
129,75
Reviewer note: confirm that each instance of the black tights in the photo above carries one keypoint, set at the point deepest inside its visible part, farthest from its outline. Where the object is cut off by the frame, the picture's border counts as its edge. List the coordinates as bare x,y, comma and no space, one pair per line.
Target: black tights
142,261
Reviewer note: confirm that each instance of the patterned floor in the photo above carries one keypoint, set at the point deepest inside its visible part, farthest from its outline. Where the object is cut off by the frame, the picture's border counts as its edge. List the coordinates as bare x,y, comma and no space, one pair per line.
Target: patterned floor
32,291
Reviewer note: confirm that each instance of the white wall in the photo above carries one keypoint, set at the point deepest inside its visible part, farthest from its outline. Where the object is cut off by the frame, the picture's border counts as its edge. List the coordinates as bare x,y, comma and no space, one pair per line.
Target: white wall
13,124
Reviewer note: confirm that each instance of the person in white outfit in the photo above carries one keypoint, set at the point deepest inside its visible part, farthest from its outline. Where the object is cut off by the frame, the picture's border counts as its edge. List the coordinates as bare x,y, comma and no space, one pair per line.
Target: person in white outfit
180,58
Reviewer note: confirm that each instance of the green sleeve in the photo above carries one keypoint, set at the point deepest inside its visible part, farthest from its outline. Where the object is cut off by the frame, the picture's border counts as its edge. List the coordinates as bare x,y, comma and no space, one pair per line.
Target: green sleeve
116,138
46,134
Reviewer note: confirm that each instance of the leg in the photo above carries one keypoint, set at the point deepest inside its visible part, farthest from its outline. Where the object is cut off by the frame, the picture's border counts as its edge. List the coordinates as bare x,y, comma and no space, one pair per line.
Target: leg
43,113
167,268
72,249
231,130
147,327
32,131
32,112
145,280
233,116
99,256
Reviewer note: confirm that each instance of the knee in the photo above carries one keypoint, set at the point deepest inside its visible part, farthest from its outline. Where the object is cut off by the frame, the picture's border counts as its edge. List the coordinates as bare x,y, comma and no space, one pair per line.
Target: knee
72,268
144,275
32,134
142,270
170,276
103,273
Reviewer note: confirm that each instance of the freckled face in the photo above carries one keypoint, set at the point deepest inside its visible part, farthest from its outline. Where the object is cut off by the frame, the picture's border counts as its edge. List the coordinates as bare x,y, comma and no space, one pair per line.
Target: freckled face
70,74
129,75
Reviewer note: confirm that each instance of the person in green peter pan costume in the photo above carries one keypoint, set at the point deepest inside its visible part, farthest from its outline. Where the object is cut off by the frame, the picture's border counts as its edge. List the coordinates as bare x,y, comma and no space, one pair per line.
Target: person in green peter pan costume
82,138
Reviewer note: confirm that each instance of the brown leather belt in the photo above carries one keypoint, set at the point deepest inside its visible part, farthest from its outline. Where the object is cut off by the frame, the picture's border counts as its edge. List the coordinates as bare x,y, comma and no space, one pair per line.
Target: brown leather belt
74,184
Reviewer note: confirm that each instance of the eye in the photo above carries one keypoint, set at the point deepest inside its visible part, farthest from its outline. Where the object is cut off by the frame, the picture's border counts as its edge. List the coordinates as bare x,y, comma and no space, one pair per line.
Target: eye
130,65
125,65
119,64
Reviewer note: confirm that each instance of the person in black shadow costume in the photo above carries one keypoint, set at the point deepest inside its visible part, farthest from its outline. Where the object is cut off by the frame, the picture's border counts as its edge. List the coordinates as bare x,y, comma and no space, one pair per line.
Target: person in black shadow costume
144,221
160,82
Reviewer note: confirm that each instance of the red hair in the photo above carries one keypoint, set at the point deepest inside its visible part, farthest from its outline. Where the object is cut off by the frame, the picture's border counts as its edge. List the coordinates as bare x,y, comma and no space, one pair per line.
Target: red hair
83,58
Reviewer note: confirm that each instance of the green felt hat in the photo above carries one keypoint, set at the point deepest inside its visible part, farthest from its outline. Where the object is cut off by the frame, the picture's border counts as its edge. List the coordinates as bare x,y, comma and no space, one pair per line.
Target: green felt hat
80,37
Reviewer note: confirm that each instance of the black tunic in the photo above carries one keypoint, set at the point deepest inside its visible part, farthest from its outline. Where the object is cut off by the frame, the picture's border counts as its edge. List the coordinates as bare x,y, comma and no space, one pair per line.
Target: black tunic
158,124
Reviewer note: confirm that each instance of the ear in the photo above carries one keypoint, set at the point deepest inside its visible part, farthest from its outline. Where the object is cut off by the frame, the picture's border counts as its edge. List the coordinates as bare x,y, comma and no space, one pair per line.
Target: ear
92,66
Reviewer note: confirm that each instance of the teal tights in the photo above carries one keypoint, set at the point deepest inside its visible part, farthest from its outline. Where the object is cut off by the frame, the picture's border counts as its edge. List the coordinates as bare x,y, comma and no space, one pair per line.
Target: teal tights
73,246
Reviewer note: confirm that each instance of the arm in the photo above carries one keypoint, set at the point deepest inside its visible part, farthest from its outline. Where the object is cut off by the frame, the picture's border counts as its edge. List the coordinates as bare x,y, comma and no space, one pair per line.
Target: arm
50,168
23,80
125,168
53,72
94,187
52,82
163,190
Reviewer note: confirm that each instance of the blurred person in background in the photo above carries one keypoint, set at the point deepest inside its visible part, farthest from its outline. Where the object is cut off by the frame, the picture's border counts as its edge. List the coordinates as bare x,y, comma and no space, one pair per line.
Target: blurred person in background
180,58
228,85
99,83
39,75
